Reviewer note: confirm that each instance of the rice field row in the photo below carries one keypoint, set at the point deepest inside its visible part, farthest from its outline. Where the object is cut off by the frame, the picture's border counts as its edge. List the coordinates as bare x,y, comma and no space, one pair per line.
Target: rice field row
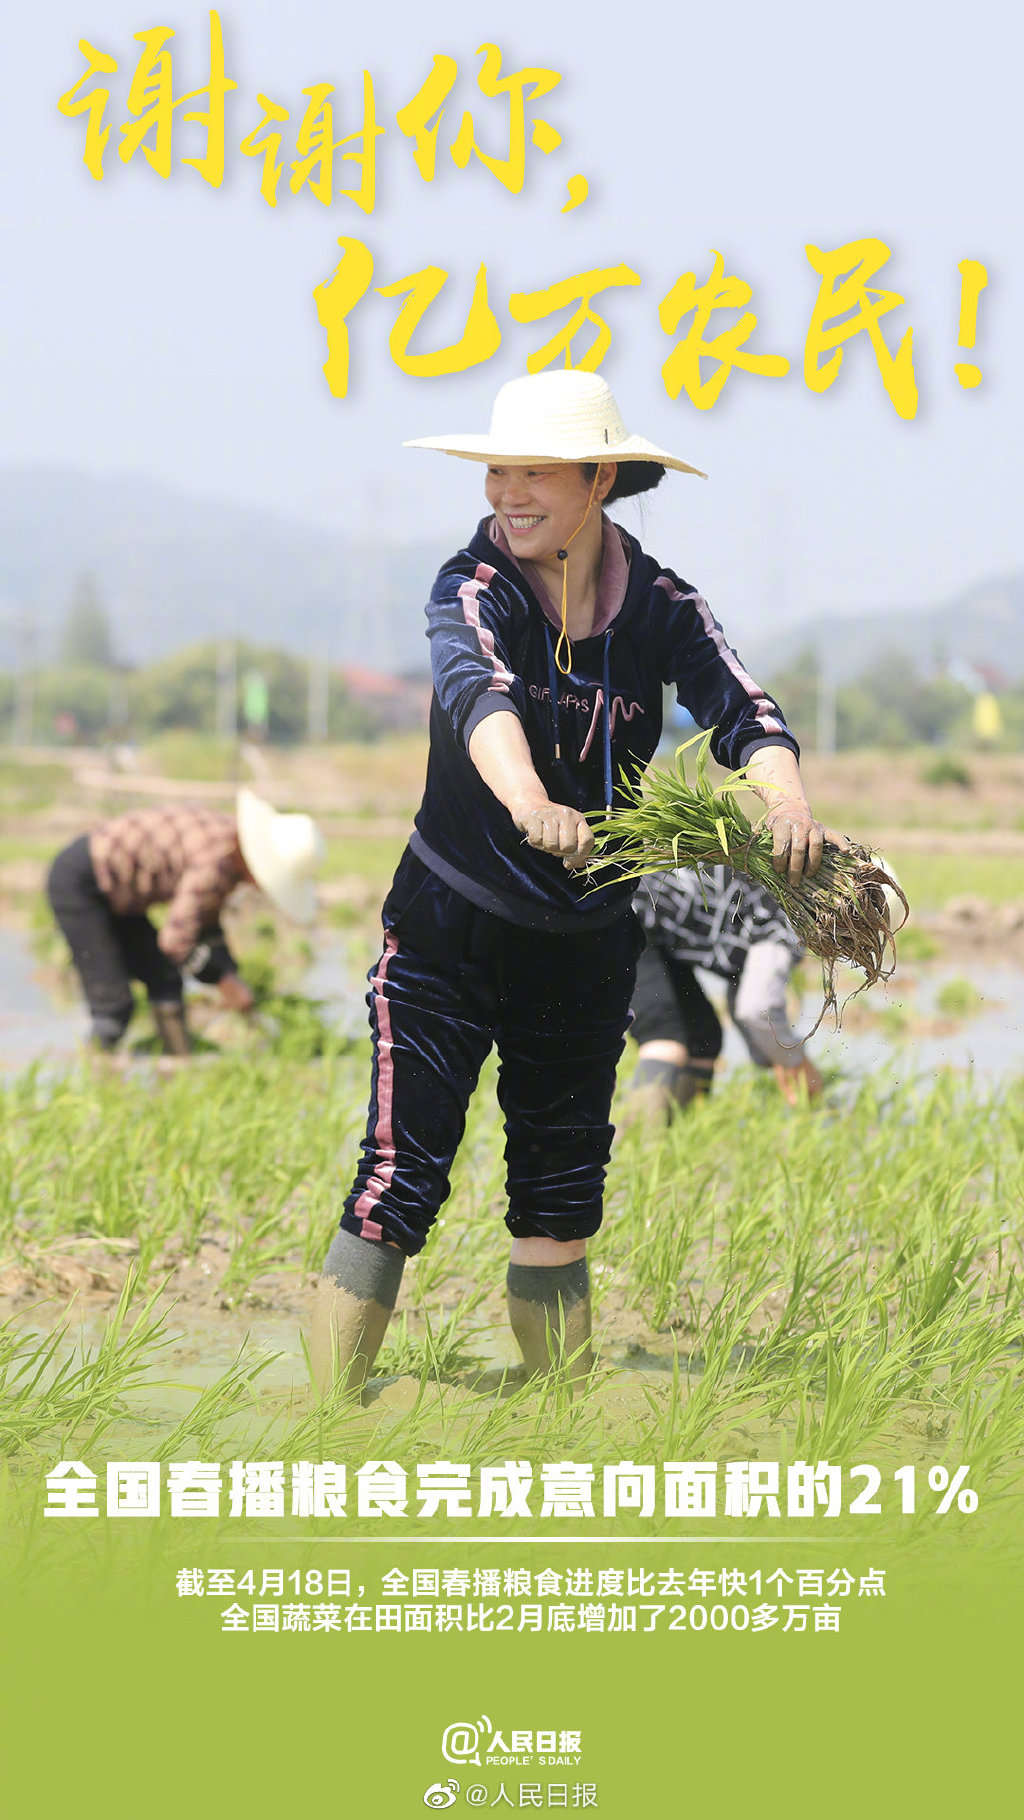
840,1283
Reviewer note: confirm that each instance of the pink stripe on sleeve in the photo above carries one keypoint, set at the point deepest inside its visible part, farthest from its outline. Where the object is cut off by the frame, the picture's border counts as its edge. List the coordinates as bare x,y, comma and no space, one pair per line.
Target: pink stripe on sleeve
763,707
503,678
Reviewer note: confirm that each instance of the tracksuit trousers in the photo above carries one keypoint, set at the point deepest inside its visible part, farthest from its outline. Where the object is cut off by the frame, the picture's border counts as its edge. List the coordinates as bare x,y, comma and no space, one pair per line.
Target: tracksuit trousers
452,981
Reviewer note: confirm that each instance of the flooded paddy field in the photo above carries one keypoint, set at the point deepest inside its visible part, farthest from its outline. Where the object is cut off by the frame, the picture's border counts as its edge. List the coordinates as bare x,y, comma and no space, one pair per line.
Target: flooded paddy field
816,1280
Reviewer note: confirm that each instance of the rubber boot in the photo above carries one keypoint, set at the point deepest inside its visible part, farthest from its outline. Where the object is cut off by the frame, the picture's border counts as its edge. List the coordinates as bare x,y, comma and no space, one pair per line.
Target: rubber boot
661,1089
352,1306
549,1313
107,1029
653,1092
169,1018
693,1083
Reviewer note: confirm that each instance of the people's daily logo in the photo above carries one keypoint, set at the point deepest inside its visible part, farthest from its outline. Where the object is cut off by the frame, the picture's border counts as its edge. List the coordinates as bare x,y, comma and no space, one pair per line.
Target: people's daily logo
478,1741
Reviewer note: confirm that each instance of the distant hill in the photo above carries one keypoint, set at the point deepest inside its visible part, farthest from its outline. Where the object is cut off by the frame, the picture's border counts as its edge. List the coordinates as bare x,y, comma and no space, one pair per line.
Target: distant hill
172,568
983,625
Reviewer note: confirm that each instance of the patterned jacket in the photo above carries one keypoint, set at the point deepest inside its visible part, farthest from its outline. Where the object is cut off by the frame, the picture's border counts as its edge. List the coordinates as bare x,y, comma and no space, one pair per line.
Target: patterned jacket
187,858
711,918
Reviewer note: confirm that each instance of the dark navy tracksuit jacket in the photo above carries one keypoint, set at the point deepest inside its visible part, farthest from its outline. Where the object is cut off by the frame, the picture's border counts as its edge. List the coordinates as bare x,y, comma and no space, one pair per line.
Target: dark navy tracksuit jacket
492,650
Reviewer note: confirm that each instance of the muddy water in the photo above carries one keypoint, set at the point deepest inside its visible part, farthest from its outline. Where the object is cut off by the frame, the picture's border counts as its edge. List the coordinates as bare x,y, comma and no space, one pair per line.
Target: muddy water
31,1026
337,978
203,1345
989,1043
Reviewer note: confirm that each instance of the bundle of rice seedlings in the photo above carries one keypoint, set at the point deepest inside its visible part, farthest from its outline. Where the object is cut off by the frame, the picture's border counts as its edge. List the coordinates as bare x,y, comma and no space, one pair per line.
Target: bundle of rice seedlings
842,913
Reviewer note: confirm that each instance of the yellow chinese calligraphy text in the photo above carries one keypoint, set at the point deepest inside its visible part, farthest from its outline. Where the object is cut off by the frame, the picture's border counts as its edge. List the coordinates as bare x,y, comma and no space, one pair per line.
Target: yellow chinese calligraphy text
421,117
151,100
316,147
682,368
510,170
480,339
845,306
92,105
334,299
530,306
270,145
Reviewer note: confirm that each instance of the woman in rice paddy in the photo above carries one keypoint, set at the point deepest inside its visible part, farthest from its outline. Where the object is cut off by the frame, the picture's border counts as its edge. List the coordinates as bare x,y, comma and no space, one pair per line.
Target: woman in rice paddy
553,635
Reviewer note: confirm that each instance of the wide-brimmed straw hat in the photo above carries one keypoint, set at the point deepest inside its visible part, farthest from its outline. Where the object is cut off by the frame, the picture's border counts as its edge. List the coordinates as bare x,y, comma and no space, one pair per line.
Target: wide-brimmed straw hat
282,852
561,416
897,913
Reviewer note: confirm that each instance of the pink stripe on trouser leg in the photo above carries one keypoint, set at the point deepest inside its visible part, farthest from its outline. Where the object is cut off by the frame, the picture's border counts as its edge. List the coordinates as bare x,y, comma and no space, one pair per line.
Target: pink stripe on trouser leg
383,1135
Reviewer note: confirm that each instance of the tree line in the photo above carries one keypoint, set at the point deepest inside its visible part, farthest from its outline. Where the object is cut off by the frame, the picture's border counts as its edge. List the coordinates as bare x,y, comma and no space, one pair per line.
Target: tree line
86,696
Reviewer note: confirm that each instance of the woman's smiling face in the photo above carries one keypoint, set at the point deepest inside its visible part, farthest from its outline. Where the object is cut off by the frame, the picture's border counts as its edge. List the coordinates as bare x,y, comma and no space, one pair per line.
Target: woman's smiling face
539,508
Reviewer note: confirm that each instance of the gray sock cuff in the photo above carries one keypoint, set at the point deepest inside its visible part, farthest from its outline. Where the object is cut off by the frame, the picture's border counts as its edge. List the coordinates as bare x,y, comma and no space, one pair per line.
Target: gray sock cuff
550,1284
367,1268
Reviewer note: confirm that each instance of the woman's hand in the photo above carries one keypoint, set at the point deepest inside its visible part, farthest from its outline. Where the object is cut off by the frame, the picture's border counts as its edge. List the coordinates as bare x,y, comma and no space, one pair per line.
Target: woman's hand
797,839
498,749
234,993
555,828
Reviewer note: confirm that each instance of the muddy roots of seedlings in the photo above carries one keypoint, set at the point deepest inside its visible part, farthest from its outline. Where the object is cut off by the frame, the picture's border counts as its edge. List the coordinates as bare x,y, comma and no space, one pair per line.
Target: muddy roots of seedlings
842,914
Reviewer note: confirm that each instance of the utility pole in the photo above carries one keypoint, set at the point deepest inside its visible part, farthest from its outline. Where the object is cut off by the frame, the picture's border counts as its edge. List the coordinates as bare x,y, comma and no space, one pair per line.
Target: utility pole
227,691
826,730
318,700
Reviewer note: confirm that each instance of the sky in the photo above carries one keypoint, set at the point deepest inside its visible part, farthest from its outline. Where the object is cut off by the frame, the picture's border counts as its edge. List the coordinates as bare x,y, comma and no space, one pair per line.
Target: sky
168,328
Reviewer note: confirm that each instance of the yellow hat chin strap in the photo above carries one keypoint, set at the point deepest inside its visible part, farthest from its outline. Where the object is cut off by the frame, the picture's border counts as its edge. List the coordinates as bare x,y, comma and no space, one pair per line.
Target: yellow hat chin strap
563,557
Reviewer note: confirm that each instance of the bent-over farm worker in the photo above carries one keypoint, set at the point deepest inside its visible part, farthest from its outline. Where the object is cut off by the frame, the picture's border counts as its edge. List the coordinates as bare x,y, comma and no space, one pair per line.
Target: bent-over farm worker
552,636
101,886
727,925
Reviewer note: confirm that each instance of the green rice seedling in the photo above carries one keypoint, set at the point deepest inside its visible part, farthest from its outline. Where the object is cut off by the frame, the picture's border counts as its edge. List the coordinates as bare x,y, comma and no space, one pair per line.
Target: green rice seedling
893,1021
428,1271
659,1262
261,1244
989,1428
401,1354
861,1387
442,1350
445,1348
914,944
328,1427
840,914
943,1275
43,1390
295,1028
811,1281
711,1376
228,1398
958,998
945,770
561,1412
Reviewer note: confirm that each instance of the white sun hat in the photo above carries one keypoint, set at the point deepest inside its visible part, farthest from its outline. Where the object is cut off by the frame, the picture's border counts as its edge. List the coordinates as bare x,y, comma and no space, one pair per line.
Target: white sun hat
282,852
562,416
894,907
